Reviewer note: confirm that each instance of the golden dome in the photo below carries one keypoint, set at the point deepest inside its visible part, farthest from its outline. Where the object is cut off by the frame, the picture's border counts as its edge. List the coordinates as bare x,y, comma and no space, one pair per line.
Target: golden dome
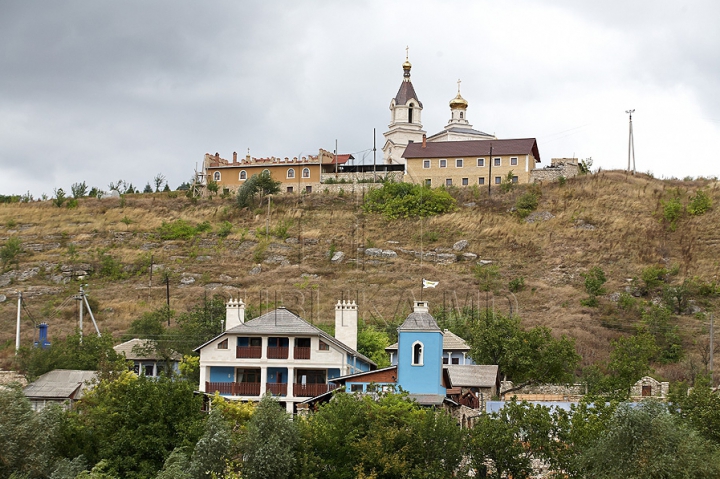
407,65
458,102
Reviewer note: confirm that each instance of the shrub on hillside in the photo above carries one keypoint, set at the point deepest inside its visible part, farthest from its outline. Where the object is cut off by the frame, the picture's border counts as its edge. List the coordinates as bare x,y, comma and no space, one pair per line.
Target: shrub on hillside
526,204
405,200
699,204
181,229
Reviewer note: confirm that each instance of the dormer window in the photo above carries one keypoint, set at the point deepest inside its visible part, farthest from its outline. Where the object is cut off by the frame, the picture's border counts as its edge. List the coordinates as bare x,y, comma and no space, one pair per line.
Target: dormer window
417,353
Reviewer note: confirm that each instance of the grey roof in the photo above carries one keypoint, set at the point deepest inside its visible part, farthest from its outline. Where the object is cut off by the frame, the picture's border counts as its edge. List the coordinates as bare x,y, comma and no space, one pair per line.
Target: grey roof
59,384
465,131
480,376
419,321
444,149
142,349
451,342
406,93
428,399
281,321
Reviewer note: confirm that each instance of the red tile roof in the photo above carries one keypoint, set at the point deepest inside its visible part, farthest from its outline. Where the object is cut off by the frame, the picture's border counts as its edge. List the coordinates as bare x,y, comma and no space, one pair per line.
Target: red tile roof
342,159
450,149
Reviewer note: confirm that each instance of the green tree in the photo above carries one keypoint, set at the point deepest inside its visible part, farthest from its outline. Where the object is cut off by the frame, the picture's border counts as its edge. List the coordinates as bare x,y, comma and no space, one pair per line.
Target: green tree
647,441
257,185
698,407
488,278
213,187
10,252
148,188
594,281
79,190
60,197
629,361
660,324
203,322
158,181
699,204
269,445
372,344
133,423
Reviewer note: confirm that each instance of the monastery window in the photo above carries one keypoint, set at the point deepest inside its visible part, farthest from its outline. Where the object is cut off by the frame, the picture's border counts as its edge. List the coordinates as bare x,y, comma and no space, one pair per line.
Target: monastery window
243,175
459,163
498,180
481,161
514,179
306,173
308,189
464,181
289,189
417,353
223,344
461,115
410,113
513,161
443,163
448,181
426,164
497,162
428,182
481,180
291,173
216,176
324,346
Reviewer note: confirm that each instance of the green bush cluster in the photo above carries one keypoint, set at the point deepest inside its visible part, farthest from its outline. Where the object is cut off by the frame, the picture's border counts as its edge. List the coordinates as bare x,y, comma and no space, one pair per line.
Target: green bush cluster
699,204
181,229
405,200
526,203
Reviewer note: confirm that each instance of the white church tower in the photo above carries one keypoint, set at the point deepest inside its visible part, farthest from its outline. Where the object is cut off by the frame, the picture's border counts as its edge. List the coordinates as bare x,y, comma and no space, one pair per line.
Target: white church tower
405,123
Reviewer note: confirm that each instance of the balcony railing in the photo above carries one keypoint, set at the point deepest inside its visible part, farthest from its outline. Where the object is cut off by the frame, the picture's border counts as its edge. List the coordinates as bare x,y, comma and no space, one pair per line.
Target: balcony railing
233,389
301,352
277,389
249,352
311,390
274,352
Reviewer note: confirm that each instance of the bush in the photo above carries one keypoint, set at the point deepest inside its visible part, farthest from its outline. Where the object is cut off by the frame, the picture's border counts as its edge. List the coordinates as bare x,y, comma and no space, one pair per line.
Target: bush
653,276
699,204
10,252
181,229
405,200
263,184
672,212
109,266
526,204
225,229
59,197
517,284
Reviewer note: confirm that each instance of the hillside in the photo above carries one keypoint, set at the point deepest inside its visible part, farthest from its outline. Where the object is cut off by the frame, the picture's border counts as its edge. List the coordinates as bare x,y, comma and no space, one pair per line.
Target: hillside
607,219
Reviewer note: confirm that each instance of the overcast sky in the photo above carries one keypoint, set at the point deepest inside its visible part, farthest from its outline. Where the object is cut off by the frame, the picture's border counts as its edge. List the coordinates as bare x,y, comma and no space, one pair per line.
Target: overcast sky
102,91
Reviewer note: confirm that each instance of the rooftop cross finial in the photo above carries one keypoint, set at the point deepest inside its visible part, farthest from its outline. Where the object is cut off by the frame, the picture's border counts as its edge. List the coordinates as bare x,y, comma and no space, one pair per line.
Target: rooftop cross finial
459,81
407,52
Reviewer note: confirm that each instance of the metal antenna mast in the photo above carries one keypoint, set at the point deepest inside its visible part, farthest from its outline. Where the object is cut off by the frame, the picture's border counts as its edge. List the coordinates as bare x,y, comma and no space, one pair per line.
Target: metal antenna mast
631,144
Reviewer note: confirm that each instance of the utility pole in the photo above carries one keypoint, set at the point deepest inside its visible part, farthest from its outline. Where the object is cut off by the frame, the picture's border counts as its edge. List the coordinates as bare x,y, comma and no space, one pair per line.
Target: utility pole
631,144
490,162
17,331
712,379
82,308
374,158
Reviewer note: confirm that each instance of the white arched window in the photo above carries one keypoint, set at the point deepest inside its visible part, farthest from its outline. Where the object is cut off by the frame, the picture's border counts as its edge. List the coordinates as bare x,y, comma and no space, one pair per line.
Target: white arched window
306,173
417,353
216,176
243,175
291,173
266,172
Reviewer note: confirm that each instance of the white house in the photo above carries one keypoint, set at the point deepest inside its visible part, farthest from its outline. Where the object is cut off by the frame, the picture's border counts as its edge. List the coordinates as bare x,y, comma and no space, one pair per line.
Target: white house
280,353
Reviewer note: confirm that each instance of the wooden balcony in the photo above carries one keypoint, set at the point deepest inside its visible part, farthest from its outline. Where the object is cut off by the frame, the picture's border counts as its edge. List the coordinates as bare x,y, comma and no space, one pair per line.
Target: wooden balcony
274,352
254,352
311,390
233,389
301,353
277,389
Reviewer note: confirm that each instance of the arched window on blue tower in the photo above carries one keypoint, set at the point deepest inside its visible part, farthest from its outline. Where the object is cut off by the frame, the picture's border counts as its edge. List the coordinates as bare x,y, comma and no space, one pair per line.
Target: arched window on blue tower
417,353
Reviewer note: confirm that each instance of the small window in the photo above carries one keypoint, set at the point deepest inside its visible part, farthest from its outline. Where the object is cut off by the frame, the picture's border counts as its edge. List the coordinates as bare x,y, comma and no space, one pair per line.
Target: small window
481,181
306,173
513,161
223,344
308,189
456,360
426,164
461,115
443,163
459,163
514,179
289,189
356,388
417,354
324,346
428,182
465,182
497,162
291,173
481,161
216,176
498,180
448,181
445,360
256,342
149,369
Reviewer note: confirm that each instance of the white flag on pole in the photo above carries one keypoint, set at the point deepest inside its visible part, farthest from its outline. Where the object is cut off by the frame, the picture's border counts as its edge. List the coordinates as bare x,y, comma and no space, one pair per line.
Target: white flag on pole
429,284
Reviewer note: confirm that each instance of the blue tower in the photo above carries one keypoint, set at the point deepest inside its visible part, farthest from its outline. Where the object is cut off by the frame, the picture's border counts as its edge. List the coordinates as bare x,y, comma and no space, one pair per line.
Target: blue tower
420,349
42,341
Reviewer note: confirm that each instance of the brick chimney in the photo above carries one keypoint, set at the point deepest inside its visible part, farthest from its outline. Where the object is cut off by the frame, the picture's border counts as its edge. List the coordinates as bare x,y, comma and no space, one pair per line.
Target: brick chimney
346,316
234,313
234,156
424,144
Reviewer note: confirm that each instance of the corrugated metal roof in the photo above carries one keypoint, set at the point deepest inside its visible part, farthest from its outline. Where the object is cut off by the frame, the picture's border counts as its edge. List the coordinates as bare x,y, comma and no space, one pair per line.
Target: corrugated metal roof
142,349
60,383
280,321
428,399
480,376
448,149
